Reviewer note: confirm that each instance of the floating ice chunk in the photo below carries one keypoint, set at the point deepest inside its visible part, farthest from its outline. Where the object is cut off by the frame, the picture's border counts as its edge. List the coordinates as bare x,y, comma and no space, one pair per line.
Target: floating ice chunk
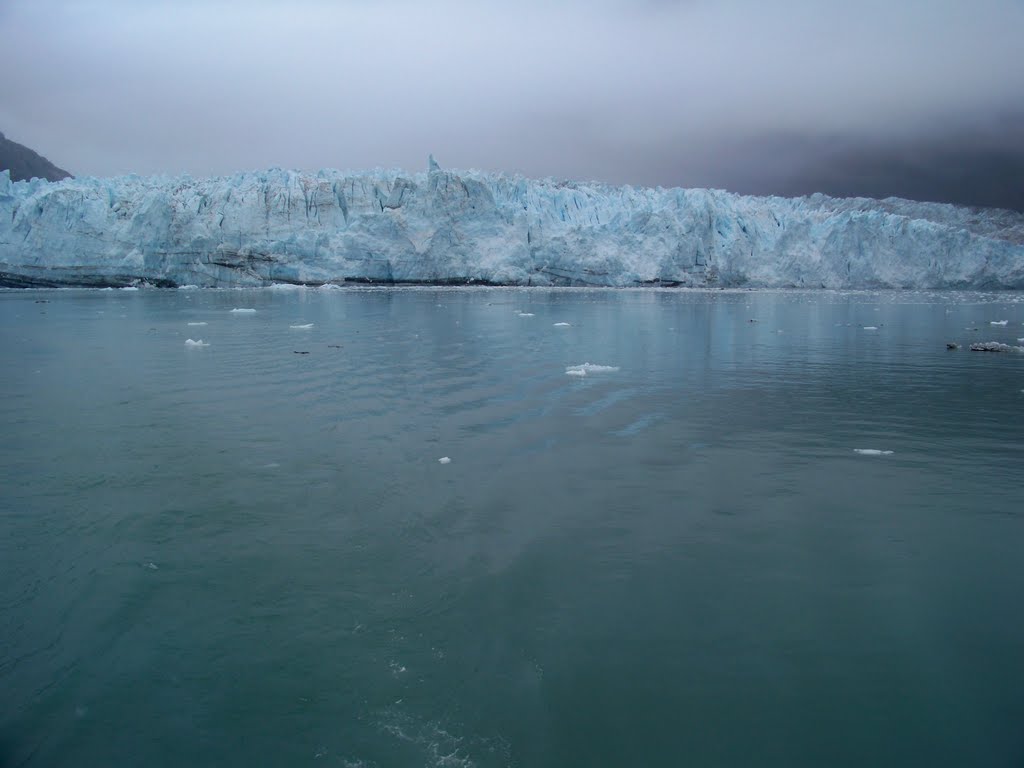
994,346
526,314
871,452
200,323
1021,339
997,322
585,369
301,327
189,287
870,327
444,460
242,311
151,566
561,325
130,288
195,343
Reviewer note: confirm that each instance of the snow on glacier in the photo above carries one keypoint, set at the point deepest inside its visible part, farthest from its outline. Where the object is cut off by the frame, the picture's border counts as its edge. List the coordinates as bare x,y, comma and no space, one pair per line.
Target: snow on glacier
387,226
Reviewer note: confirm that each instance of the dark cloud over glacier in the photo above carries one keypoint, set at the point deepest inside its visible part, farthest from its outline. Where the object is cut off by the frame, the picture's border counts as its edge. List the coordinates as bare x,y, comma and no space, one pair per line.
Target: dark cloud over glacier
914,98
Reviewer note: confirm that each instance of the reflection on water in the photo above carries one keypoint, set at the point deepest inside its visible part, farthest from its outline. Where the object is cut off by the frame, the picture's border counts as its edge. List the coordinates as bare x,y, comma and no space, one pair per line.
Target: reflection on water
700,550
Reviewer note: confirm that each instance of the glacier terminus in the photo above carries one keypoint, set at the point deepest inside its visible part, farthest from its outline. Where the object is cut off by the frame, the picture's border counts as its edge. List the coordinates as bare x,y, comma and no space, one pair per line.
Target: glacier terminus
446,227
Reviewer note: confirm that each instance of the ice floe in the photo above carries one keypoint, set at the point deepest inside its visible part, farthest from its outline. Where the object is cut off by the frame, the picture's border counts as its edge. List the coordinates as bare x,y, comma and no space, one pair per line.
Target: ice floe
871,452
562,325
242,311
994,346
196,343
585,369
444,460
301,327
197,323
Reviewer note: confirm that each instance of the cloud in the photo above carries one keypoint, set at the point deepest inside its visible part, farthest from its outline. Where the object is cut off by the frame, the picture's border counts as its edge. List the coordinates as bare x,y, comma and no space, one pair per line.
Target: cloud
591,90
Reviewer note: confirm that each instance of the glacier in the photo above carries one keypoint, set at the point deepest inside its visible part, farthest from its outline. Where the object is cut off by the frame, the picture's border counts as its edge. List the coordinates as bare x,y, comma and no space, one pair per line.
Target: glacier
447,227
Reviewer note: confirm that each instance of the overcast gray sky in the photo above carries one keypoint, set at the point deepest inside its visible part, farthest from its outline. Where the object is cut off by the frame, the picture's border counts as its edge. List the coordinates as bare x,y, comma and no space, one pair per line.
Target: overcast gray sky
750,95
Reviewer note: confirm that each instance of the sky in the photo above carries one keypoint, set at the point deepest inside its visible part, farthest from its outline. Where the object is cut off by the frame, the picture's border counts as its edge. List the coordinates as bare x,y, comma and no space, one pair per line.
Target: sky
923,98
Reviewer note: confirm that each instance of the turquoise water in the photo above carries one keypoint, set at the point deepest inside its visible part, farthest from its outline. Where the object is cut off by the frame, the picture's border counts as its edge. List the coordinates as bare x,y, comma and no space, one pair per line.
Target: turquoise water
240,555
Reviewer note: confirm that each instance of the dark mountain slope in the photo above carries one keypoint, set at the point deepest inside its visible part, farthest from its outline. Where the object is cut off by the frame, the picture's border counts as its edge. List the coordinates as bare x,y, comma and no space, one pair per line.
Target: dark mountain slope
23,163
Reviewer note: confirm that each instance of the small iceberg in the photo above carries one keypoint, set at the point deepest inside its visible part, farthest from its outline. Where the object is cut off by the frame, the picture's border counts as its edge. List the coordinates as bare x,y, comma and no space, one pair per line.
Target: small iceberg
188,287
871,452
586,369
444,460
197,323
562,325
301,327
994,346
196,343
997,322
242,311
526,314
870,327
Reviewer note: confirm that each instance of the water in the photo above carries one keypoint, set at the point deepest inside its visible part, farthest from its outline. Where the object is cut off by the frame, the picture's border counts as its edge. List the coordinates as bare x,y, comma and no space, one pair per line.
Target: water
240,555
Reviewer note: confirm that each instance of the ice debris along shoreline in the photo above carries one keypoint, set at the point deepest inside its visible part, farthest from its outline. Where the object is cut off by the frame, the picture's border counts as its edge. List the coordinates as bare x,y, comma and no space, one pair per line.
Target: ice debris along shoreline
456,228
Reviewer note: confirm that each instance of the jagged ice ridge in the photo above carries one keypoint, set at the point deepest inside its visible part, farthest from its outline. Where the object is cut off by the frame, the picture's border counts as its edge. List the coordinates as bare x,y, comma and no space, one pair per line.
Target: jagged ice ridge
446,227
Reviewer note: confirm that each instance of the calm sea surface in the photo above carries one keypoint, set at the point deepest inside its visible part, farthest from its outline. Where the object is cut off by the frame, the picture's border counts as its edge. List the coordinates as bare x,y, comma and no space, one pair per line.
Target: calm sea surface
249,553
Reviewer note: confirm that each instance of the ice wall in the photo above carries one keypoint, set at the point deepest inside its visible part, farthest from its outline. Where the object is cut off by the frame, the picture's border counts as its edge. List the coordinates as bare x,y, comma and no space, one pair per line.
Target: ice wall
458,227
